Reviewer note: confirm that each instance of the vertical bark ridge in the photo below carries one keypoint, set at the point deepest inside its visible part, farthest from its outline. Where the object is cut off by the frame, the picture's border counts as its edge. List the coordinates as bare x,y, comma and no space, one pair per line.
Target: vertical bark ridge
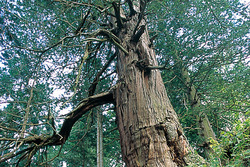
148,125
151,134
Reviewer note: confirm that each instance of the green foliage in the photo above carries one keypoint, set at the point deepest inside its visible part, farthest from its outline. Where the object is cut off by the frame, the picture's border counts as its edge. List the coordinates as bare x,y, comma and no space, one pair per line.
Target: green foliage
233,148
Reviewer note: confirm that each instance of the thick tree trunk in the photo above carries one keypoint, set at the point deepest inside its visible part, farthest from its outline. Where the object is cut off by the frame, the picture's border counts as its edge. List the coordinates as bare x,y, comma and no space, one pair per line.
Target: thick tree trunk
150,132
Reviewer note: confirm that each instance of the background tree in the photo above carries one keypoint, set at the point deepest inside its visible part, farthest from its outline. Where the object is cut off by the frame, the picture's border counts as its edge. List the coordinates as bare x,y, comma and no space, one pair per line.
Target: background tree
200,43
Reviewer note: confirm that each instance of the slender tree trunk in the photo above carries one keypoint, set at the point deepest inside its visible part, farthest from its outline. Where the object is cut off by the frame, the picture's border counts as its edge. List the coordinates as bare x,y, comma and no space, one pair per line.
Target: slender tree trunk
150,132
83,159
99,139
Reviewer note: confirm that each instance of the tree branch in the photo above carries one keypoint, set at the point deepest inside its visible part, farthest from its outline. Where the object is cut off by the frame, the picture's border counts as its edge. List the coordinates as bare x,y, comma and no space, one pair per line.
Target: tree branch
216,18
98,7
84,106
78,30
113,38
131,8
95,82
143,5
16,154
60,138
117,14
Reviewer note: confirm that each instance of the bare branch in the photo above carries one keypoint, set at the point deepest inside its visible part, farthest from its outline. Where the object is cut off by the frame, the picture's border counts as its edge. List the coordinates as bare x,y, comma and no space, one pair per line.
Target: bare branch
98,7
78,30
131,8
117,14
216,18
113,38
84,106
57,138
143,5
95,82
16,154
27,110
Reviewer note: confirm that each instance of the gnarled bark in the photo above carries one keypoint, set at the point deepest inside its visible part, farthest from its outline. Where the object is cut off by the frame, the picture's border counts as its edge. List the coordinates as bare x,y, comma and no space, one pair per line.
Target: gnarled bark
151,134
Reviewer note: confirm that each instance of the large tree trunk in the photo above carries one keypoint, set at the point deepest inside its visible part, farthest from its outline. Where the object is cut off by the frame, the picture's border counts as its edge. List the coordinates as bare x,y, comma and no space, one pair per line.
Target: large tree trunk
150,132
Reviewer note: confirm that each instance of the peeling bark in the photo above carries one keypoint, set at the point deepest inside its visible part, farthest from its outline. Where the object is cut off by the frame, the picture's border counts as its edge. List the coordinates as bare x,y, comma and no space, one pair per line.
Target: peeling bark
150,132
